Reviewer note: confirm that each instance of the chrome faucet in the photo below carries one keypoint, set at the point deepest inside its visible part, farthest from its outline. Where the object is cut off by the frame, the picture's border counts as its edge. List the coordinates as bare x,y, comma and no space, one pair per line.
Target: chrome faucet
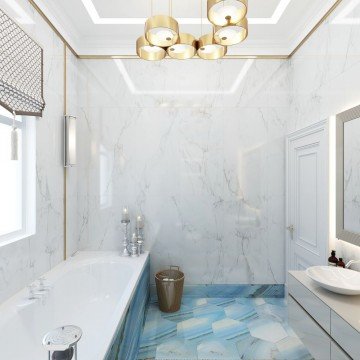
33,295
42,285
348,264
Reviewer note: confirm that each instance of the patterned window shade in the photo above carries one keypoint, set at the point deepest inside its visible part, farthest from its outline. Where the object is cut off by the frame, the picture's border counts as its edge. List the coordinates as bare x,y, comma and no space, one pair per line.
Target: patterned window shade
21,70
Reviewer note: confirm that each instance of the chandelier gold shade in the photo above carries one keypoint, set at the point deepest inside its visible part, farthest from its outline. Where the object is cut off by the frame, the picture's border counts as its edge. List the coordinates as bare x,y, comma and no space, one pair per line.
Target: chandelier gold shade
209,49
162,36
226,12
147,51
162,30
231,34
185,48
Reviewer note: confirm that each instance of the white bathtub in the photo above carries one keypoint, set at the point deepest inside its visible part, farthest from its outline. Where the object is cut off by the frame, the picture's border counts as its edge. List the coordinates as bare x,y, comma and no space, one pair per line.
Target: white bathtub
91,290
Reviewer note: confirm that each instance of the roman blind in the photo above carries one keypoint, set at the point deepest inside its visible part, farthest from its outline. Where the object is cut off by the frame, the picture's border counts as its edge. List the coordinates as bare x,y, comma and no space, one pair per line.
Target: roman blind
21,70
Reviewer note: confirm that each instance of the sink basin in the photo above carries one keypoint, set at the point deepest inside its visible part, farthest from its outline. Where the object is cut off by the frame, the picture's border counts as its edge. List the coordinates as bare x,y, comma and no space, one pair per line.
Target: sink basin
336,279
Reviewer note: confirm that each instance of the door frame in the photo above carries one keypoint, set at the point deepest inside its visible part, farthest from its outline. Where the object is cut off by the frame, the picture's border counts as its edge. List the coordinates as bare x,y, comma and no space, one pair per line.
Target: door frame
308,130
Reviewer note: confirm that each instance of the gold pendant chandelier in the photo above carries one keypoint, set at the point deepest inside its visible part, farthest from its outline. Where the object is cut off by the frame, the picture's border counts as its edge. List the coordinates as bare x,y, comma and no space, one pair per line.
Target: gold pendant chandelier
162,36
226,12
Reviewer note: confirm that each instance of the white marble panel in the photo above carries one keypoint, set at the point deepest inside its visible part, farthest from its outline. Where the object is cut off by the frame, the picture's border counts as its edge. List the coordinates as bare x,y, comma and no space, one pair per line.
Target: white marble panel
324,77
196,165
24,260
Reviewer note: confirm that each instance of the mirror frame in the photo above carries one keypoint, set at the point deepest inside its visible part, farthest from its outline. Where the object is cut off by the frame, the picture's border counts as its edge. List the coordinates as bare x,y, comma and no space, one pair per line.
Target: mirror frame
341,119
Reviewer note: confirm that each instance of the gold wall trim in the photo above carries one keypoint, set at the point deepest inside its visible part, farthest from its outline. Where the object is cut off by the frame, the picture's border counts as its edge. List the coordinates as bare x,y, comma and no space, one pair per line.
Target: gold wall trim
65,169
57,32
120,56
228,57
319,23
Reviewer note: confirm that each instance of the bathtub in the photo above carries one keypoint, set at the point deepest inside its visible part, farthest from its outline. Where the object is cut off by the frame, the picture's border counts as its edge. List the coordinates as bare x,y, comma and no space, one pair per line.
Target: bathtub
92,290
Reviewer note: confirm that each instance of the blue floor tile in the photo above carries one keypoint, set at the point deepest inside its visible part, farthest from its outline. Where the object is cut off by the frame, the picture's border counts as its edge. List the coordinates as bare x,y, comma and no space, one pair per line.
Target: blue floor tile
221,328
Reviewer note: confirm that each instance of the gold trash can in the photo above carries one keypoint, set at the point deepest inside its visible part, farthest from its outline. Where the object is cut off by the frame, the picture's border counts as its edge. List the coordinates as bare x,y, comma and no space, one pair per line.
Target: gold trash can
169,288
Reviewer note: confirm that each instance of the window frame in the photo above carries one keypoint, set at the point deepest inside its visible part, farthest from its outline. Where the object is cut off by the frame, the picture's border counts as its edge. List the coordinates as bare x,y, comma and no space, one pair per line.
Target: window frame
28,145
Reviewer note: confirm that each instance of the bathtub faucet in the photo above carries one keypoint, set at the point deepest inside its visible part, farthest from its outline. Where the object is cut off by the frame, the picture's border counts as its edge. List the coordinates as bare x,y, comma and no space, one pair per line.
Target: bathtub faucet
42,287
33,295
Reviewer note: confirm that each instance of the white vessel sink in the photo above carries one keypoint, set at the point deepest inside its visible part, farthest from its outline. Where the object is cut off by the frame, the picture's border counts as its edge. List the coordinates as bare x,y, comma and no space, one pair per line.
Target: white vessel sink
336,279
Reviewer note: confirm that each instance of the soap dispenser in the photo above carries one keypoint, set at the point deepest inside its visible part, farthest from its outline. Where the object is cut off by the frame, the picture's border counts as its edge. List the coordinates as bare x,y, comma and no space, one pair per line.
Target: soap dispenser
333,260
340,263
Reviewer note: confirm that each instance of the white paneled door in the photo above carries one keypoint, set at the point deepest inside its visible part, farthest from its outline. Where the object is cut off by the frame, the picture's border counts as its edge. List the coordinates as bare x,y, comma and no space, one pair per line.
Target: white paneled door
307,213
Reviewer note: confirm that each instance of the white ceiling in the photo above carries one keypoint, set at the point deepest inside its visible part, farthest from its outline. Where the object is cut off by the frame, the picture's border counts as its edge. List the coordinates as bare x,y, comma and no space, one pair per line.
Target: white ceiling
111,27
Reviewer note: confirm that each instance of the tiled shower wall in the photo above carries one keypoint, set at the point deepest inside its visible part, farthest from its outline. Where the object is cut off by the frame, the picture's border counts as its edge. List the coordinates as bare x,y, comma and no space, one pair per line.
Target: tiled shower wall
23,261
198,148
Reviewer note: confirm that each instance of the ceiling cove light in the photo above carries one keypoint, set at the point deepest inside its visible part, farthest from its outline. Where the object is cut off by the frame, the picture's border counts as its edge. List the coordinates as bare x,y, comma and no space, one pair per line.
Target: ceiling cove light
231,34
226,12
185,48
146,51
98,20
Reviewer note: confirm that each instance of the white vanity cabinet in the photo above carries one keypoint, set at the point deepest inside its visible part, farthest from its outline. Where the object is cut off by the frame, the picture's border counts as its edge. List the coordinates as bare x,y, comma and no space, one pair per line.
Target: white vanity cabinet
327,323
310,333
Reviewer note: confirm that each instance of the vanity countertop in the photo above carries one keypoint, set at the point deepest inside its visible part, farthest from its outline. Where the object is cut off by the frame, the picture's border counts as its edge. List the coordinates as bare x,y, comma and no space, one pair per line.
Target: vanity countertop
347,307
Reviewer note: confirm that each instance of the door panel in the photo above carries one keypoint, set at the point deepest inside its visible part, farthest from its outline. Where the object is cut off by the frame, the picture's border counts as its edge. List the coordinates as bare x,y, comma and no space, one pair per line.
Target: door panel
307,200
307,213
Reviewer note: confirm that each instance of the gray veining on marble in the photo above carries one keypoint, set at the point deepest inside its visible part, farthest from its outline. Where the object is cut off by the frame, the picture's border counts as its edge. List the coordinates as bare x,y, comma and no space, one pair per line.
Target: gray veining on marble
23,261
209,178
324,77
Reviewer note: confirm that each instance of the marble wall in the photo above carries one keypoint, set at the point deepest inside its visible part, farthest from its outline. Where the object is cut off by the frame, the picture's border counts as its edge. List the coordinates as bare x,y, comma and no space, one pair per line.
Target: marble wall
198,148
325,77
23,261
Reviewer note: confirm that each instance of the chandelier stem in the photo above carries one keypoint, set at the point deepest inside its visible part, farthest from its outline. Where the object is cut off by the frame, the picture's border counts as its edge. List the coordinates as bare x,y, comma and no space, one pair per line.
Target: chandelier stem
201,19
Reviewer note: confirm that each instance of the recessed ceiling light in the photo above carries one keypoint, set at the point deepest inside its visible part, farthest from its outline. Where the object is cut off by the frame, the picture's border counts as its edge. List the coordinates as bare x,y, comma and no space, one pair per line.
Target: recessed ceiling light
96,19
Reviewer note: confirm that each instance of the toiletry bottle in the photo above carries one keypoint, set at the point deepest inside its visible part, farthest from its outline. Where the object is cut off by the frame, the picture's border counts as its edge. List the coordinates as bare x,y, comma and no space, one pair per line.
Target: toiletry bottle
333,260
340,263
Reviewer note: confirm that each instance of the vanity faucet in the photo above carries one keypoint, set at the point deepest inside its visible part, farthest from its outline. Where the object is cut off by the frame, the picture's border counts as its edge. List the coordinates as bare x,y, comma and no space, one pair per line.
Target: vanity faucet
348,264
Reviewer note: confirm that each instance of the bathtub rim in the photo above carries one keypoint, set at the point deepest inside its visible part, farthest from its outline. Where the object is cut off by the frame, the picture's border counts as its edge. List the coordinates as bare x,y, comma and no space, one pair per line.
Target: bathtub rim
8,308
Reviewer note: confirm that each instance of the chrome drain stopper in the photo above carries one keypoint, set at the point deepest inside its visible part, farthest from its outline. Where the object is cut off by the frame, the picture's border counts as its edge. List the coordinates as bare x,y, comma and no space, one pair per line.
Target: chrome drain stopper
61,343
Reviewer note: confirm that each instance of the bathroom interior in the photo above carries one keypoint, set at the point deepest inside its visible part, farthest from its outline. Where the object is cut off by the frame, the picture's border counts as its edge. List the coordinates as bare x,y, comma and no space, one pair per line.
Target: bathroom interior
180,179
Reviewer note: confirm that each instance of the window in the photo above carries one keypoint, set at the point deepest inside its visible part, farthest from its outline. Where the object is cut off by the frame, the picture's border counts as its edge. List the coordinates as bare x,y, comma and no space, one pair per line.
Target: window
17,179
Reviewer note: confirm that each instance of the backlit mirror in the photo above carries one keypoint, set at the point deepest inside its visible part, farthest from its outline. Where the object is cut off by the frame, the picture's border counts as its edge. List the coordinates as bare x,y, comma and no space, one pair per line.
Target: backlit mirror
348,176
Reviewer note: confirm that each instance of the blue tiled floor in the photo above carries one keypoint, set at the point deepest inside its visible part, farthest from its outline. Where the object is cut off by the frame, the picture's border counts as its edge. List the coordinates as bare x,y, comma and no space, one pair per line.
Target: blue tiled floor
221,329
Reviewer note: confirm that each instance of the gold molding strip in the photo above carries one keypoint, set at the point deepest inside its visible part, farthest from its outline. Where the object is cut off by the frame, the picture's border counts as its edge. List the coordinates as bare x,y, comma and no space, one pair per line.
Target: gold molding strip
120,56
65,169
303,41
57,32
228,57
